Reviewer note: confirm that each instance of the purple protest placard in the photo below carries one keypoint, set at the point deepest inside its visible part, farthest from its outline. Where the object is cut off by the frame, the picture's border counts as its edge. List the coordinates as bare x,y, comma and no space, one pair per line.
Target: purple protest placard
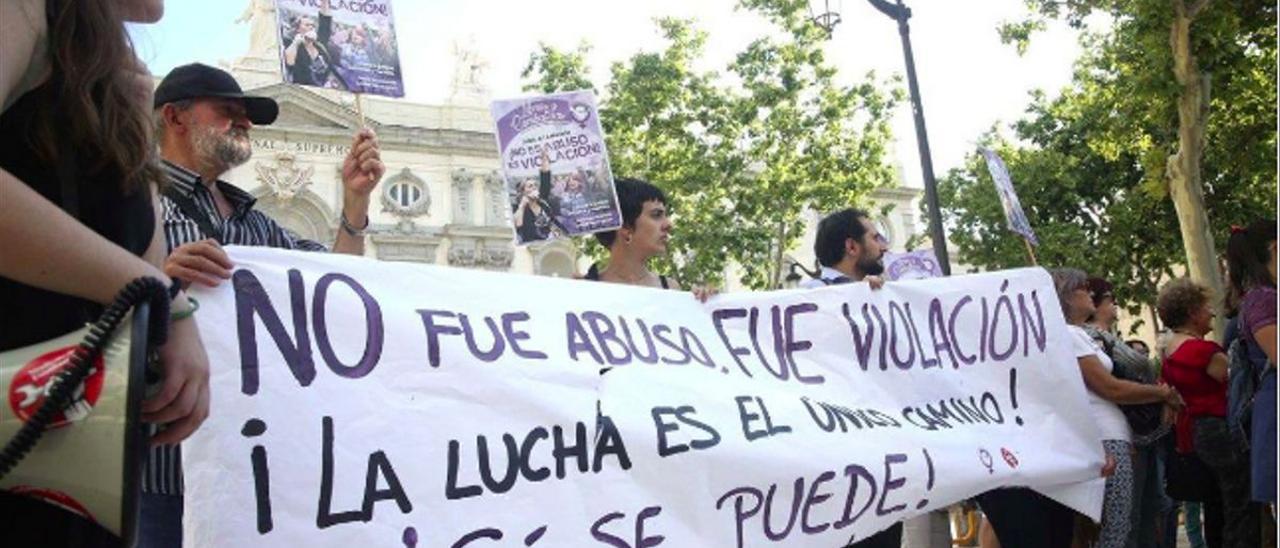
340,44
1008,198
912,265
555,166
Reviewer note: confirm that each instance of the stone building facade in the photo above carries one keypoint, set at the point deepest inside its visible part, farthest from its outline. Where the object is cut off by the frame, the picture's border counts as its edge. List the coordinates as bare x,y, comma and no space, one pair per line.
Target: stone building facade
441,200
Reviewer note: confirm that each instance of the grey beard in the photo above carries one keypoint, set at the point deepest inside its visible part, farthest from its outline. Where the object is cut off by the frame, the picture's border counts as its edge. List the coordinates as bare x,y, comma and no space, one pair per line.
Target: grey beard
221,151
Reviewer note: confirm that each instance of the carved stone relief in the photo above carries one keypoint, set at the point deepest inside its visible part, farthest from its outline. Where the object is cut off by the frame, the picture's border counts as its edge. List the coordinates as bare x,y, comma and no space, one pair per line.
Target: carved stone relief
463,182
284,177
395,246
481,253
496,194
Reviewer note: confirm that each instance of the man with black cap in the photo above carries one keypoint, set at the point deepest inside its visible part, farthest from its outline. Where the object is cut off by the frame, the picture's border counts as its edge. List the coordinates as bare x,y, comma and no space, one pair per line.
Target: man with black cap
203,120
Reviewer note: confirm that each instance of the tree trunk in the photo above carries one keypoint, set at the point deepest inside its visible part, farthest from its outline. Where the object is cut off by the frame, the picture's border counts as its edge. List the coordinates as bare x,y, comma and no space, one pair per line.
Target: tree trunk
1183,168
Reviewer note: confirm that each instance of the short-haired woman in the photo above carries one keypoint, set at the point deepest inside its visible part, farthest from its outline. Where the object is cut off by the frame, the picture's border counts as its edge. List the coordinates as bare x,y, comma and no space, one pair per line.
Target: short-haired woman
643,236
1198,369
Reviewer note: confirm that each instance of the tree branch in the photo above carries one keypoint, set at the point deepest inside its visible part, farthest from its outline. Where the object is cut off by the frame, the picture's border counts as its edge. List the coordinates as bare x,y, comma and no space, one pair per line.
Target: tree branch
1197,7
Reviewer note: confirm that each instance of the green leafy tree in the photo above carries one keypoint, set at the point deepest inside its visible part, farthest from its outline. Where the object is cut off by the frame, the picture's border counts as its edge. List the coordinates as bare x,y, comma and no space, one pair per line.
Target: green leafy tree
1092,166
558,70
740,163
1188,87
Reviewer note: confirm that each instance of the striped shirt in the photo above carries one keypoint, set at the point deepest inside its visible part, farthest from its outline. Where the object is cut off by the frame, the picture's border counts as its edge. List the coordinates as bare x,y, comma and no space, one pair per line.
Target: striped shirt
244,226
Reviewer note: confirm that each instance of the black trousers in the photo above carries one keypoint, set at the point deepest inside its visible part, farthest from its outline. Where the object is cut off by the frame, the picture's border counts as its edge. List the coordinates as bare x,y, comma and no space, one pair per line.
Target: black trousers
888,538
28,522
1229,460
1023,518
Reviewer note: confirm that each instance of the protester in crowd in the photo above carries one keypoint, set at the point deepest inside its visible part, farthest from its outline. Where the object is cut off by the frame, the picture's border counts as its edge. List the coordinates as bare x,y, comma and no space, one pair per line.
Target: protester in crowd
1251,263
310,58
643,236
1105,391
77,211
1151,506
1242,385
1139,346
849,248
1198,369
203,121
1202,510
1022,517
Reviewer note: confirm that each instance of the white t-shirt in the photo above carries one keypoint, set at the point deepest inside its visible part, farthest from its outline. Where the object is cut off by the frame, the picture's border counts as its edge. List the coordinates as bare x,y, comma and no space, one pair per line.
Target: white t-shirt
1111,421
826,277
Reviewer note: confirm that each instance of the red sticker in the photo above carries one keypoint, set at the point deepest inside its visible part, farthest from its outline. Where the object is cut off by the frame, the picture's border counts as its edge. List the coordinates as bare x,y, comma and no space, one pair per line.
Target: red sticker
31,385
1009,457
56,498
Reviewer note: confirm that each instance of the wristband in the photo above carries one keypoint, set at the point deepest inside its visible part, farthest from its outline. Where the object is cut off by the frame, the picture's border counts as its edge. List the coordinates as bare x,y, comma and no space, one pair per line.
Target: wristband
351,229
184,314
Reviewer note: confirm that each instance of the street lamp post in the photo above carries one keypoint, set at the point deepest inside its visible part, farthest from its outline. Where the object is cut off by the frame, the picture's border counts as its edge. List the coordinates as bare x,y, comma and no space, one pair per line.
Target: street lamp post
827,18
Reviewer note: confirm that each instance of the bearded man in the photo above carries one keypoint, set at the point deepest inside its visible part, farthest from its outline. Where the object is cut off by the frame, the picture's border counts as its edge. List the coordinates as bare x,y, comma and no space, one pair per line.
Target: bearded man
850,250
202,123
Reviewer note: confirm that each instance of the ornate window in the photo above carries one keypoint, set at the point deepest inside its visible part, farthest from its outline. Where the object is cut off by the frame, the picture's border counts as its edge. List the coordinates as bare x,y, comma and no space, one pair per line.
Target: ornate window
405,195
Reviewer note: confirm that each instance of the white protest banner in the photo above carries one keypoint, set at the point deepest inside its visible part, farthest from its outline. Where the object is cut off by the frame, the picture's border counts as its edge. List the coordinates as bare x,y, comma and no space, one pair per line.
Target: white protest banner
368,403
1013,212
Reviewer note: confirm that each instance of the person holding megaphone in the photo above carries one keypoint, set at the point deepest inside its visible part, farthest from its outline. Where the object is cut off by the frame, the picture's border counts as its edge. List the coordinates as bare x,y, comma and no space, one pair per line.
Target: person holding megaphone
78,180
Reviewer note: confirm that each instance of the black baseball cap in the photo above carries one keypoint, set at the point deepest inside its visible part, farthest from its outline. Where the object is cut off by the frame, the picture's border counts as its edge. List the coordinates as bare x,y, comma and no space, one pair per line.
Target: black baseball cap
198,80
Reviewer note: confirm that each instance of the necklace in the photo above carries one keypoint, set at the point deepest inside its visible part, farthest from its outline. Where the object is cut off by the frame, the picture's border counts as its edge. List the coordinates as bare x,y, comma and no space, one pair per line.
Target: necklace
633,280
1181,332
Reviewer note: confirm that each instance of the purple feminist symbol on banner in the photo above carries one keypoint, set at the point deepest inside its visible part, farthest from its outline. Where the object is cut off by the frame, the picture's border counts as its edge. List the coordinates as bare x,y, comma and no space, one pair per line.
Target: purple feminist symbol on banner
987,461
581,112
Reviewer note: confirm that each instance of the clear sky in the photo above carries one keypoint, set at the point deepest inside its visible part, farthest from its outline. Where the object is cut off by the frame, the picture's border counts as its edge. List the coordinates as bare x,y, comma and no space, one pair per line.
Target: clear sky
969,80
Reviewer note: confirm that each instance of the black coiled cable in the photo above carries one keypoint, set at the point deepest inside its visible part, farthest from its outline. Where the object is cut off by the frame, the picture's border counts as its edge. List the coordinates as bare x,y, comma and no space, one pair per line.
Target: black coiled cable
59,396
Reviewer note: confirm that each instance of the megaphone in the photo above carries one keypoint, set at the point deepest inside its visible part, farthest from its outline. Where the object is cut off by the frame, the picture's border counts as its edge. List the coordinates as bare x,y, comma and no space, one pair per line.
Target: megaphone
89,457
